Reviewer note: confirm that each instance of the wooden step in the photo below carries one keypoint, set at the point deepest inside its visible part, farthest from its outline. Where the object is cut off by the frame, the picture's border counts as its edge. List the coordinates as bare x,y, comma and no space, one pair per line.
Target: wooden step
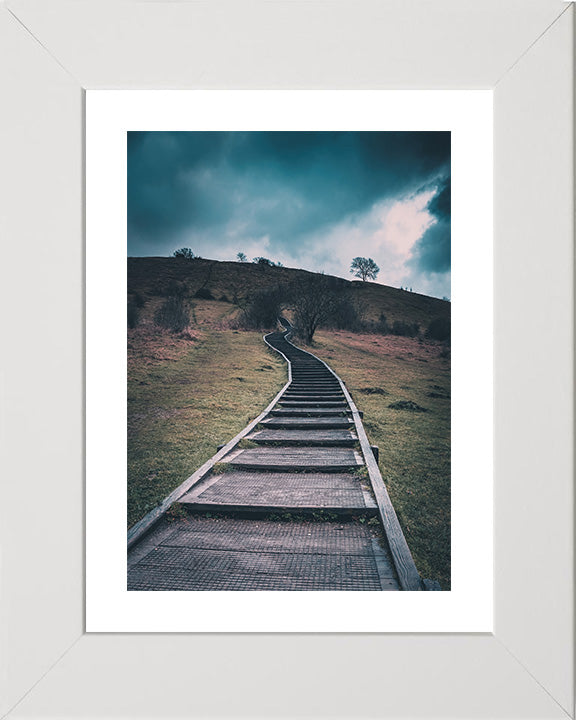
331,392
310,412
304,411
333,437
304,381
242,491
297,459
312,398
313,403
314,378
253,554
298,371
314,386
313,391
311,423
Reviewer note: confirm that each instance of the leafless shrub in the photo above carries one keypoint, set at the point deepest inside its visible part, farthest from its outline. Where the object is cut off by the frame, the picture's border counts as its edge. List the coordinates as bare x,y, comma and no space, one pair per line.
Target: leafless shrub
173,314
260,310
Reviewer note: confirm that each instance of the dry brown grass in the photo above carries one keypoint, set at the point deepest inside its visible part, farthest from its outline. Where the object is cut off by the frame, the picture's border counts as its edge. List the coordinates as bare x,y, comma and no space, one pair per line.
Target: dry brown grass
186,397
149,344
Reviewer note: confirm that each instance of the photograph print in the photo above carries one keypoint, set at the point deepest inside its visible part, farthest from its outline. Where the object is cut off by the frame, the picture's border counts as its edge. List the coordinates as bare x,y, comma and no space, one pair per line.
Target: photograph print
289,361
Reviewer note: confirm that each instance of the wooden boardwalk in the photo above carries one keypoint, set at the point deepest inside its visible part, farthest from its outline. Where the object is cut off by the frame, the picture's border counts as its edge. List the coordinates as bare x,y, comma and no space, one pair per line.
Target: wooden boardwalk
297,504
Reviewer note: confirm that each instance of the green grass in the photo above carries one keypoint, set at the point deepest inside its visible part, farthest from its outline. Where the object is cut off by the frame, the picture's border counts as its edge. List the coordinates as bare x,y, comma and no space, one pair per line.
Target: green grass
186,397
414,446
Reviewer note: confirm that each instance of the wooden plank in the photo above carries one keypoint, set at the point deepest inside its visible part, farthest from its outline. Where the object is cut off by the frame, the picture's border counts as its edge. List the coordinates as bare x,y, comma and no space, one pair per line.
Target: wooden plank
303,411
289,395
297,459
259,507
335,391
310,376
256,478
408,574
296,380
273,490
322,402
310,388
291,454
328,384
306,387
309,436
307,422
311,399
385,568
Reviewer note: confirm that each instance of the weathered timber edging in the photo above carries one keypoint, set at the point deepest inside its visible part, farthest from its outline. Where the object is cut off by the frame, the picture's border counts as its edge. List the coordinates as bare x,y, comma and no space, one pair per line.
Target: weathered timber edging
406,570
145,524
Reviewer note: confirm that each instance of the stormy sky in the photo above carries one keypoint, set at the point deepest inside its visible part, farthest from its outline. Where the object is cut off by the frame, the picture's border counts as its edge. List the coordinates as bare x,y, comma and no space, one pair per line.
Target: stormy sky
312,200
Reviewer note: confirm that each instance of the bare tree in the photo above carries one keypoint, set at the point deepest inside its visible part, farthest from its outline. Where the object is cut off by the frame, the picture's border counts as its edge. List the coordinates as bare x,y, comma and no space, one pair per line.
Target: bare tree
313,299
364,268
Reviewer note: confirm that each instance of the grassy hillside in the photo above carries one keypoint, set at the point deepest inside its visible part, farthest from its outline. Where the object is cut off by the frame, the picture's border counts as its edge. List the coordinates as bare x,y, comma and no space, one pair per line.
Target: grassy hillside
192,390
229,280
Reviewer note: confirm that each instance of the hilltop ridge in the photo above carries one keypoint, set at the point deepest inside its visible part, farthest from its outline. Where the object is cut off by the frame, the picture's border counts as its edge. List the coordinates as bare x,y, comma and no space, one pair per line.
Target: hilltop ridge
230,281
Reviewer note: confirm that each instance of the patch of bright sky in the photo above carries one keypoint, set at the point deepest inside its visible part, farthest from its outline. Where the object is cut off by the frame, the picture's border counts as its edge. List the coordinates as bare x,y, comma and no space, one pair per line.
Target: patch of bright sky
387,233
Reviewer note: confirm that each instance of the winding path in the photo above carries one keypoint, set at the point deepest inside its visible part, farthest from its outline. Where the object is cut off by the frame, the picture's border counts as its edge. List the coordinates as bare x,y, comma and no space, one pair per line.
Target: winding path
295,502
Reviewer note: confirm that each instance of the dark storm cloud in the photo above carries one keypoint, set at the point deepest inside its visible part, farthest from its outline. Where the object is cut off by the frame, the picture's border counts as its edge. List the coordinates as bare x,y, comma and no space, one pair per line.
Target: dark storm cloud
160,200
282,185
441,203
432,252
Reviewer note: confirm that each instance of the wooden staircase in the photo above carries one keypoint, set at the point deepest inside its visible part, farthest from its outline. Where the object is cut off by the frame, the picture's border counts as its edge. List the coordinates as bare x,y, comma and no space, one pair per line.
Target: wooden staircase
286,504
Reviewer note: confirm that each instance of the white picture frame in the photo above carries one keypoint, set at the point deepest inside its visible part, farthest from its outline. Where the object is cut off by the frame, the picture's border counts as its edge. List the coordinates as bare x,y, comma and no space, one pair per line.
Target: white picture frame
54,50
467,607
